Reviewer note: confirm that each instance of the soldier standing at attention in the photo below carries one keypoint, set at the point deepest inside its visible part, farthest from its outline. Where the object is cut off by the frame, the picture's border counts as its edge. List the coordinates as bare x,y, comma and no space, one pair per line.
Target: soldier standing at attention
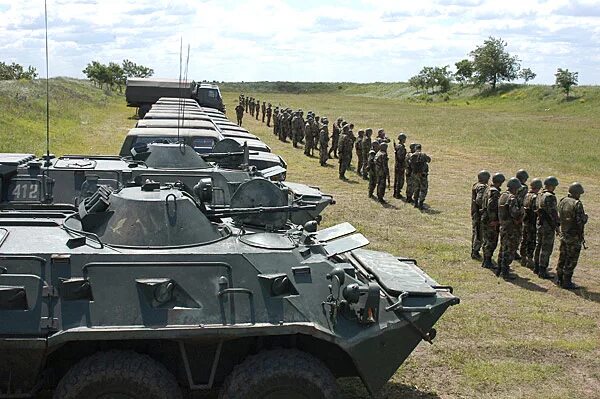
358,149
510,216
419,167
489,219
370,167
399,166
345,151
247,101
264,111
324,142
409,179
522,175
335,137
483,179
316,131
381,136
276,121
529,223
251,106
366,148
239,113
308,129
257,108
382,171
269,113
548,225
572,225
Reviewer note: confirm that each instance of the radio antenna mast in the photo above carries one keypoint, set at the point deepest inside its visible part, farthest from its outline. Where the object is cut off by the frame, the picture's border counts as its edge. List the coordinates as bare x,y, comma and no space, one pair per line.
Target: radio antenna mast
47,88
180,108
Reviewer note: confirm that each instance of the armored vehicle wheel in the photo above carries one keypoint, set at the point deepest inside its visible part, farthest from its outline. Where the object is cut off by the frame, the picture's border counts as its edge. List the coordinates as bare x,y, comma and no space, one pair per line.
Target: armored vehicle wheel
118,375
280,374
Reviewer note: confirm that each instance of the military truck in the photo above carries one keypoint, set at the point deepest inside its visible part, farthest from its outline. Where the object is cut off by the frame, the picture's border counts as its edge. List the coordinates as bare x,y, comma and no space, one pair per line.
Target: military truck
208,95
146,293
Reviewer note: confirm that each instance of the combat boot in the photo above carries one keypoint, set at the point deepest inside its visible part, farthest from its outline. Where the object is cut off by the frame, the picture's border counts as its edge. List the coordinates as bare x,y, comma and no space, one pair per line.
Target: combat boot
536,268
558,280
421,205
568,284
416,203
498,268
543,273
506,274
475,255
487,263
524,261
517,256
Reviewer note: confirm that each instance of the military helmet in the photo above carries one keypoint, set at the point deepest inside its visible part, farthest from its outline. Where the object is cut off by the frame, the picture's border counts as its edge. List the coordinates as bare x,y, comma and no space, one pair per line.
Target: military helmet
551,181
361,132
513,183
417,147
317,117
412,146
340,119
536,184
402,136
498,178
522,175
325,121
576,189
483,176
368,130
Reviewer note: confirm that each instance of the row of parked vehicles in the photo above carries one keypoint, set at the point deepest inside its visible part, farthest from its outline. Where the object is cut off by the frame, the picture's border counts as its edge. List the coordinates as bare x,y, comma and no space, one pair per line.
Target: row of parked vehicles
181,266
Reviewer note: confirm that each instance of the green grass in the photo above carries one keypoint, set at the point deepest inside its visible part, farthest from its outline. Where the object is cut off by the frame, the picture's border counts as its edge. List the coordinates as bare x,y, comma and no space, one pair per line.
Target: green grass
526,339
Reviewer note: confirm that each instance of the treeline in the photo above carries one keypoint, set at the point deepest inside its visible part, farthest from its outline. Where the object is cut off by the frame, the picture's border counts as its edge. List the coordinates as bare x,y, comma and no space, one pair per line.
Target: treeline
489,64
15,71
113,74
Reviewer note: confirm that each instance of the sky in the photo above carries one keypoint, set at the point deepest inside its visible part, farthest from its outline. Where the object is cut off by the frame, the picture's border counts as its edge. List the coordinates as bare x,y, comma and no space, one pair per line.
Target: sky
309,40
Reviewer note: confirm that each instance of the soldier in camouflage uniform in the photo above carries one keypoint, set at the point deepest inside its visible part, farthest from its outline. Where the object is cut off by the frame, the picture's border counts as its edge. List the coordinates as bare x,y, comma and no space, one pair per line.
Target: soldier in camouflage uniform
366,148
286,122
335,137
399,165
548,225
276,121
410,184
489,219
358,149
382,171
297,125
269,114
381,137
247,103
324,142
252,104
572,225
483,179
264,111
370,167
529,223
510,216
308,134
316,132
522,175
257,109
239,113
419,171
345,151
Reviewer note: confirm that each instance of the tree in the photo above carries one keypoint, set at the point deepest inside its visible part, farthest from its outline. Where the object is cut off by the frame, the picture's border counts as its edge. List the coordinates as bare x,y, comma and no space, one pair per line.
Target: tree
566,79
417,82
464,71
16,71
493,64
113,74
133,70
527,74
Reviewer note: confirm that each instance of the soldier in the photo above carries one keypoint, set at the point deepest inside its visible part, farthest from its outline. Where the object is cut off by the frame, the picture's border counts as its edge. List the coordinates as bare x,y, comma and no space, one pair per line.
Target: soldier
276,121
548,225
358,149
345,150
247,102
381,136
335,137
353,139
419,170
257,109
489,219
285,122
269,114
264,111
399,167
370,167
315,133
529,223
483,179
297,128
324,142
572,225
382,171
409,180
288,125
510,216
522,175
251,106
310,138
239,113
366,148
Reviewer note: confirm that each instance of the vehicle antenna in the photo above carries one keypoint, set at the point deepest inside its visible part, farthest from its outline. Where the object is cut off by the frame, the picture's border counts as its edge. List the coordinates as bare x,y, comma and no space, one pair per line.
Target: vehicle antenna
47,163
180,87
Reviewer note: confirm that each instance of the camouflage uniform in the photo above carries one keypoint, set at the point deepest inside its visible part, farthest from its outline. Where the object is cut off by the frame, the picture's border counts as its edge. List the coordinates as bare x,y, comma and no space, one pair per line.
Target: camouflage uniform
316,129
489,221
323,144
382,172
366,148
247,102
252,104
257,109
529,228
269,114
264,111
476,205
572,224
419,170
335,137
399,169
276,122
510,215
547,227
409,180
310,139
239,113
358,149
345,152
297,128
286,122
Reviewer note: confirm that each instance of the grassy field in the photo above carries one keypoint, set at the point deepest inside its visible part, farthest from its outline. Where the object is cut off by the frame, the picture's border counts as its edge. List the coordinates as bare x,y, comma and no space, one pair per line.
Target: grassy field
521,339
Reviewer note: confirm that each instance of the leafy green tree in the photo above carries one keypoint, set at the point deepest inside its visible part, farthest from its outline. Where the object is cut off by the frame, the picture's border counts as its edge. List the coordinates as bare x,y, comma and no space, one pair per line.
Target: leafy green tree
116,76
417,82
566,80
464,71
431,77
493,64
133,70
527,74
16,71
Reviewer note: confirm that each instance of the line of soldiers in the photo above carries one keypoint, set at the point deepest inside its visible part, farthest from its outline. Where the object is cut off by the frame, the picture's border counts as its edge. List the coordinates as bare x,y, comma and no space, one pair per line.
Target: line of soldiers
526,221
253,106
373,161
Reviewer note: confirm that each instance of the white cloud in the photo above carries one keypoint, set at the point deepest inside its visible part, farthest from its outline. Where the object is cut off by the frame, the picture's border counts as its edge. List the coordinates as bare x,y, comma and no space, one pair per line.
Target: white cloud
359,40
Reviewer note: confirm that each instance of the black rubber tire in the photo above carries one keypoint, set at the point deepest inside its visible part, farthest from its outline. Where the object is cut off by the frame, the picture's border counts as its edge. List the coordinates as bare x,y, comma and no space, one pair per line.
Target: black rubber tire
118,372
287,371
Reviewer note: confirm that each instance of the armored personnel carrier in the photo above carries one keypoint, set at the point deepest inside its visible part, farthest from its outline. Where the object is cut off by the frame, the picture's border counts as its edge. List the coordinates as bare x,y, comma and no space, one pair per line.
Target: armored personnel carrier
29,182
147,293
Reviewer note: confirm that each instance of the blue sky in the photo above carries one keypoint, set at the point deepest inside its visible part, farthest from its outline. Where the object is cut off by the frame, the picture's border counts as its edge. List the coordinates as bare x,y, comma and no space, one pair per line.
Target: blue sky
310,40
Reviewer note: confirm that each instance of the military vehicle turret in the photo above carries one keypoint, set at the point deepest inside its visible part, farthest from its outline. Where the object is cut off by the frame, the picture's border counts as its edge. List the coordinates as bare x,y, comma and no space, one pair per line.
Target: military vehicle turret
145,293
